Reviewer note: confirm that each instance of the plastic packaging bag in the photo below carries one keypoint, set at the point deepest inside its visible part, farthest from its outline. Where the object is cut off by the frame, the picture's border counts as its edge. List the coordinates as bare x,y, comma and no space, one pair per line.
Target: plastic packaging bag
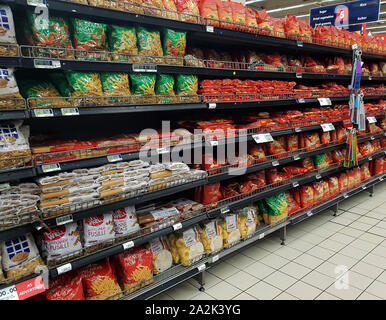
98,230
278,208
123,42
247,221
9,91
7,32
125,221
189,246
115,84
149,45
174,45
211,236
306,196
162,258
230,230
67,286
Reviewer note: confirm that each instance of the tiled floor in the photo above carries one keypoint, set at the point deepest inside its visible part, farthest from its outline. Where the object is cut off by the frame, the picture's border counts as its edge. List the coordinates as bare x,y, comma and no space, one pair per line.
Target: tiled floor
325,257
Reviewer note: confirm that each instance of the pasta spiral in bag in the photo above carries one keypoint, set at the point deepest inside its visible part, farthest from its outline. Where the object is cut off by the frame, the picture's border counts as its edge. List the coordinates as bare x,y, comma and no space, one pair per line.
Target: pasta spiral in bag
189,246
211,239
247,221
230,230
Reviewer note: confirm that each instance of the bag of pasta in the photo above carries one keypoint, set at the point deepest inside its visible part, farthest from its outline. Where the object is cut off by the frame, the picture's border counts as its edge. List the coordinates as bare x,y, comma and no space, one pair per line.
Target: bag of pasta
153,8
187,87
123,43
42,94
90,37
149,45
171,242
247,221
86,84
320,161
100,282
173,46
8,44
61,84
142,86
189,11
171,10
278,208
162,258
134,6
10,97
116,85
211,238
164,88
50,32
67,286
189,246
230,230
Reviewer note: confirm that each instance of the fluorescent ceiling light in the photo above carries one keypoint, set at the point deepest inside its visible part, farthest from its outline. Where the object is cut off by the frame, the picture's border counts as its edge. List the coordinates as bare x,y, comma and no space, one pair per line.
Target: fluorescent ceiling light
376,21
382,13
299,6
253,1
379,27
378,32
303,15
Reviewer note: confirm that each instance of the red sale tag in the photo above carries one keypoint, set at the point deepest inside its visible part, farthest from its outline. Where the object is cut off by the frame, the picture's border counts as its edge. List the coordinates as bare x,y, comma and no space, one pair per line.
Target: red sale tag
347,122
29,288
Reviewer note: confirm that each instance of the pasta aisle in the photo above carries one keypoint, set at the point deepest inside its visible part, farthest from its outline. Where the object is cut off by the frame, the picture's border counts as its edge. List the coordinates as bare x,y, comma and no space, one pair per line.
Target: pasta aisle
188,149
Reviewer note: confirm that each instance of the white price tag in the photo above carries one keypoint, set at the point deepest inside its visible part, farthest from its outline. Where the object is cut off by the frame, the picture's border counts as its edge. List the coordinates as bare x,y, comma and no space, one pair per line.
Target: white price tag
309,213
140,67
300,100
299,43
64,268
114,158
37,3
318,176
209,29
370,78
261,236
262,137
213,143
372,138
297,157
40,113
215,258
63,220
275,163
327,127
243,132
162,150
299,75
295,184
324,101
364,187
225,210
298,129
380,178
46,64
371,119
201,267
9,293
127,245
70,111
177,226
51,167
370,158
345,195
212,105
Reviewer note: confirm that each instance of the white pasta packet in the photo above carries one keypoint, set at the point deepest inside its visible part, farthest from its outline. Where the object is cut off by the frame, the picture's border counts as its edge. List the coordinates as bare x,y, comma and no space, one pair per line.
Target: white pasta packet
8,83
162,258
7,26
61,241
98,229
125,221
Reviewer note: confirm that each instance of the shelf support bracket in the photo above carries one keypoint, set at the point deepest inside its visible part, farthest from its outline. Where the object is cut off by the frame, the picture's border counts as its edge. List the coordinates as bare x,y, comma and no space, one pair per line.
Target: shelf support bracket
335,209
371,190
200,278
283,235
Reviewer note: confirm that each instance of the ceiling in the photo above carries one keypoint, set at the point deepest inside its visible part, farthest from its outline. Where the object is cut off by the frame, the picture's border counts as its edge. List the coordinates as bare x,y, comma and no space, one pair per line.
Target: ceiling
285,6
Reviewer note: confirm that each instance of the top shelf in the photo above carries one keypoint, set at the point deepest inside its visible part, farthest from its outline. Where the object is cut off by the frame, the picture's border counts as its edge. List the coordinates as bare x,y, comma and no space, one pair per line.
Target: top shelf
200,32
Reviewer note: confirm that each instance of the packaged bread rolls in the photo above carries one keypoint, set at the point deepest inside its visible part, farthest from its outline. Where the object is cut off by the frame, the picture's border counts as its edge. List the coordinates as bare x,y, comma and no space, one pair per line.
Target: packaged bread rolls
162,258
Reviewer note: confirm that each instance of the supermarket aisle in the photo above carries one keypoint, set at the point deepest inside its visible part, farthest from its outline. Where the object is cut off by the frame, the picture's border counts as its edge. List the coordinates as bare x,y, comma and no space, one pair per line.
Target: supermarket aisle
352,244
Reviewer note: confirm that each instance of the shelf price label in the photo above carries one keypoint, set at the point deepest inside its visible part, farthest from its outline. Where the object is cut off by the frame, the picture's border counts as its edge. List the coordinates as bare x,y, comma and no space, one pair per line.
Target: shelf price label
300,100
261,236
243,132
309,213
298,129
370,78
371,119
370,158
114,158
299,75
63,220
37,3
143,67
9,293
297,157
372,138
295,184
213,143
64,268
215,258
162,150
70,111
51,167
225,210
318,176
275,163
345,195
324,101
364,187
380,178
209,29
299,43
40,113
177,226
46,64
127,245
262,137
327,127
212,105
201,267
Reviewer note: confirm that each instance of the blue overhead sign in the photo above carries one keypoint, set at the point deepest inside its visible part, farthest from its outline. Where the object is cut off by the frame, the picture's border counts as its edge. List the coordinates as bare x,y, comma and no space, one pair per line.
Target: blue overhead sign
345,14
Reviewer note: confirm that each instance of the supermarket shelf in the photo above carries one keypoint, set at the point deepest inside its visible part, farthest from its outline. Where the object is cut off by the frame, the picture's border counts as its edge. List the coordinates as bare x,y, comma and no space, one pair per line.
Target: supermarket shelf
9,61
198,31
17,173
23,288
14,114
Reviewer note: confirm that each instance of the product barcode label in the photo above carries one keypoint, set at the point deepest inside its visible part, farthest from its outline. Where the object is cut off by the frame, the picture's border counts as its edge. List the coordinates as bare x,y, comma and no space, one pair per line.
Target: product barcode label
327,127
295,184
114,158
64,268
177,226
127,245
225,210
201,267
40,113
261,236
215,258
51,167
212,105
371,119
209,29
140,67
318,176
9,293
299,75
275,163
70,111
324,101
262,137
162,150
231,222
63,220
300,100
46,64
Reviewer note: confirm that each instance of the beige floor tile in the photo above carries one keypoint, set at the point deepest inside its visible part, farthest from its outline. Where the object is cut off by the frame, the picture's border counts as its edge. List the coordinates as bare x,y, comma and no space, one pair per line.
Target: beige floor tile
375,215
242,280
183,291
357,280
371,238
162,296
320,252
367,296
382,225
329,269
332,245
378,289
303,291
357,210
240,261
274,261
380,210
244,296
301,245
255,253
364,245
348,231
350,216
223,270
263,291
268,245
377,231
318,280
351,293
341,221
368,220
223,291
353,252
326,296
342,238
295,270
340,259
308,261
288,252
312,238
380,251
382,277
360,226
203,296
285,296
210,281
367,269
259,270
280,280
322,232
375,260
